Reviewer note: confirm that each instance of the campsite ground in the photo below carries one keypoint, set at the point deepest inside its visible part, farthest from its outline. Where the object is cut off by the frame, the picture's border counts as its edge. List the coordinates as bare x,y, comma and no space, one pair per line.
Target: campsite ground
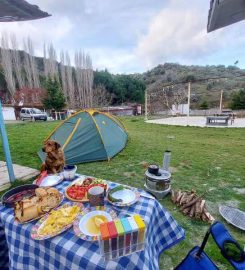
202,158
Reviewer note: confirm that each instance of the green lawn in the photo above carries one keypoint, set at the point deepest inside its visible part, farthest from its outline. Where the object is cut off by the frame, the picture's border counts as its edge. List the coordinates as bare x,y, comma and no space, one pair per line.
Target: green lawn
202,158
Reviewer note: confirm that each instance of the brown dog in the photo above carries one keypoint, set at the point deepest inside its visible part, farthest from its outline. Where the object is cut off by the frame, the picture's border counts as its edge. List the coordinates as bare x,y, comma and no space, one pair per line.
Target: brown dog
55,159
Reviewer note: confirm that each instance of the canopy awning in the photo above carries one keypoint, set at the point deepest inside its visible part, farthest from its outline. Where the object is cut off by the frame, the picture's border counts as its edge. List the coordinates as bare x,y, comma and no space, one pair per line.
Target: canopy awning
225,12
19,10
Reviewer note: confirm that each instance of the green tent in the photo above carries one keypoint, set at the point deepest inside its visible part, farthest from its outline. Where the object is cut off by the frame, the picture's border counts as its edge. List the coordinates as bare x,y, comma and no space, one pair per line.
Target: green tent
89,135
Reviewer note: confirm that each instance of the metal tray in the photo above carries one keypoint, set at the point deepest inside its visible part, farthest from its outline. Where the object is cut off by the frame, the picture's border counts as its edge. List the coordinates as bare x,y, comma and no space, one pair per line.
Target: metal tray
17,194
233,216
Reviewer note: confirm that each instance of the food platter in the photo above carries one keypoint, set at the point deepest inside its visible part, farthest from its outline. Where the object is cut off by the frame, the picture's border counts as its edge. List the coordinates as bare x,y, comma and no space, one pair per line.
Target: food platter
48,227
49,180
86,225
39,217
77,191
123,196
19,193
233,215
38,205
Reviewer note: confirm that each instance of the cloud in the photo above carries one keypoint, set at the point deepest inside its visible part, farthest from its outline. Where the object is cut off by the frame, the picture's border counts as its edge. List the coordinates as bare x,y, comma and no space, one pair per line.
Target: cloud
107,29
178,33
130,36
39,31
116,61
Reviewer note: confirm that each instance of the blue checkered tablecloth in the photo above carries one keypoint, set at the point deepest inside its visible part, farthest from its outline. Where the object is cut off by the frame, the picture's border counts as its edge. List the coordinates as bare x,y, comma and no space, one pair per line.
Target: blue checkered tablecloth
68,252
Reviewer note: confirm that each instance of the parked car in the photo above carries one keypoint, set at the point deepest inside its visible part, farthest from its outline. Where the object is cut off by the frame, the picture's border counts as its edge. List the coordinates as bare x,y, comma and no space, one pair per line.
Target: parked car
32,114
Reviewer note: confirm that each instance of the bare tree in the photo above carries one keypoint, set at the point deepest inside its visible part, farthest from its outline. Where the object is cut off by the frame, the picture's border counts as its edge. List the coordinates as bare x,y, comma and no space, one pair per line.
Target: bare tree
7,64
78,60
70,81
27,66
90,79
84,79
174,96
32,63
165,98
63,74
17,65
101,97
45,61
50,62
77,83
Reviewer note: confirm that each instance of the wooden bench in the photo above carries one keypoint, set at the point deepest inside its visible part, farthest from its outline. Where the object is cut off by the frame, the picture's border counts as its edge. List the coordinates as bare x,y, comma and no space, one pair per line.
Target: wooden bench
217,120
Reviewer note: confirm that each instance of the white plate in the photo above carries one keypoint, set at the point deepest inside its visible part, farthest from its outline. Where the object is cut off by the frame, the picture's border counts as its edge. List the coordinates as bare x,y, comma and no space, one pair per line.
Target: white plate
80,223
51,180
85,218
126,195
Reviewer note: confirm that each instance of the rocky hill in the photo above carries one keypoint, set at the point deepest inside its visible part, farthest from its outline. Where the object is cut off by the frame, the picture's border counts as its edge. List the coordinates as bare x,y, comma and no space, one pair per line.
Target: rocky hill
209,90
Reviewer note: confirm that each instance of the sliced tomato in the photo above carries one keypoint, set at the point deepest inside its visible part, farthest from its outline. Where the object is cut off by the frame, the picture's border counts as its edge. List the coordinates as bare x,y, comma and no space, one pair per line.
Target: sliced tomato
76,192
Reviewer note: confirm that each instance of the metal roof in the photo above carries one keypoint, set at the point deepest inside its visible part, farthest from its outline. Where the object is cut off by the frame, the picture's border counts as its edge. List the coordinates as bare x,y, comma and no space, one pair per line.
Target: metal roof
19,10
225,12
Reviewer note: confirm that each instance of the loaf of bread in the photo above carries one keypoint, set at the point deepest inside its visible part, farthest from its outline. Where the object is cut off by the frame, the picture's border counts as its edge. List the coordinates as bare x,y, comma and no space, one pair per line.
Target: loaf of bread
33,207
41,192
50,201
27,213
53,191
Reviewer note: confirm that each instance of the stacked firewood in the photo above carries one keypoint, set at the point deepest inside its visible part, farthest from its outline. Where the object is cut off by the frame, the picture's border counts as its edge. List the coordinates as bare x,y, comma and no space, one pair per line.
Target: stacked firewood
192,205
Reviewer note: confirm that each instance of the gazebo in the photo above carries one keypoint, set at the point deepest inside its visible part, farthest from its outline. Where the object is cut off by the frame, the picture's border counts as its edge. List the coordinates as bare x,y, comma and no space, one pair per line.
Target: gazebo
12,11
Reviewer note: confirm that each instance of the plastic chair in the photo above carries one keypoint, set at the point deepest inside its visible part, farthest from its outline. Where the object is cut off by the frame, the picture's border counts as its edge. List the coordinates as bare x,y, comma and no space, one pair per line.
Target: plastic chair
197,259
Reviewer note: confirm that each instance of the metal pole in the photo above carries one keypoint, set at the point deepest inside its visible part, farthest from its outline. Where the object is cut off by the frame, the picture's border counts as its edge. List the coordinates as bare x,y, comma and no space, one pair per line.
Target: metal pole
146,106
6,146
189,97
221,100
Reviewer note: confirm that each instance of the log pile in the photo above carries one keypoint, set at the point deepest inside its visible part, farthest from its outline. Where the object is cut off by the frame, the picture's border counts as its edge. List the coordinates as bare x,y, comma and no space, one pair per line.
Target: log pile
192,205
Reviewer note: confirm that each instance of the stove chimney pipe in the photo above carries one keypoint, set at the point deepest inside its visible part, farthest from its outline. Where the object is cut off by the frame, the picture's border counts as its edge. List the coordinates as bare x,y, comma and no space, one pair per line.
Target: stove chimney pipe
166,160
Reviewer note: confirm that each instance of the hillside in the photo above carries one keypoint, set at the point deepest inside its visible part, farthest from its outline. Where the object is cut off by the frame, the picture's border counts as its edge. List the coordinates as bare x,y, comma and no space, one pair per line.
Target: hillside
120,88
171,73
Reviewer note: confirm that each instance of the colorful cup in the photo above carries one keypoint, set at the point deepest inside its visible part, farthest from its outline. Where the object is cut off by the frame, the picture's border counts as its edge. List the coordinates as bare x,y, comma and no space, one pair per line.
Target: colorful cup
96,196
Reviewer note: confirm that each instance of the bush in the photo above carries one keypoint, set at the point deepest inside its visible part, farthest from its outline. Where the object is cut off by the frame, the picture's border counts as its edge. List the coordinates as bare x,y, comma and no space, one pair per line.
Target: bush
204,105
238,100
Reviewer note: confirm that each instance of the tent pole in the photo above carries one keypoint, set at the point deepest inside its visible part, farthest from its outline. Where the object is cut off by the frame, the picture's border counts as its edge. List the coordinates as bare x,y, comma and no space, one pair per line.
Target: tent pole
6,146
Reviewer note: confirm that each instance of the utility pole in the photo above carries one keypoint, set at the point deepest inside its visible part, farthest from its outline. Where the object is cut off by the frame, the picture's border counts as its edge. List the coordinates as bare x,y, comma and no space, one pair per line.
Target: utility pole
146,106
221,100
189,98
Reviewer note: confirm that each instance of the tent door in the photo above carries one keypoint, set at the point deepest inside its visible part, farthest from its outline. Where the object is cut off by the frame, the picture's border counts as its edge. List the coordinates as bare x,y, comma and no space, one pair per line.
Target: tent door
71,134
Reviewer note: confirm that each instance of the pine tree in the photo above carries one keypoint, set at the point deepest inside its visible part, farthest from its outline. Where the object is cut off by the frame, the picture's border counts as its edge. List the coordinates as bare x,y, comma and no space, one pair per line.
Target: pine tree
204,105
55,98
238,100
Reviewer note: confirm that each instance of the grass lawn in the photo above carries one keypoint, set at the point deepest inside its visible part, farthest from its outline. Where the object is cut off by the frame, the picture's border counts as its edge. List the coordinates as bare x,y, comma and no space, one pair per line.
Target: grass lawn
202,158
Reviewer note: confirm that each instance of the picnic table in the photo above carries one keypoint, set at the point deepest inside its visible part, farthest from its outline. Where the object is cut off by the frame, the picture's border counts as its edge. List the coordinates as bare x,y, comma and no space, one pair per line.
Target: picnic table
66,251
217,120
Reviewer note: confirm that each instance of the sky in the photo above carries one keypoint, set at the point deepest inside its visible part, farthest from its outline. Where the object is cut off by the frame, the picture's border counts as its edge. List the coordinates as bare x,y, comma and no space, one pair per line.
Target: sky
133,36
